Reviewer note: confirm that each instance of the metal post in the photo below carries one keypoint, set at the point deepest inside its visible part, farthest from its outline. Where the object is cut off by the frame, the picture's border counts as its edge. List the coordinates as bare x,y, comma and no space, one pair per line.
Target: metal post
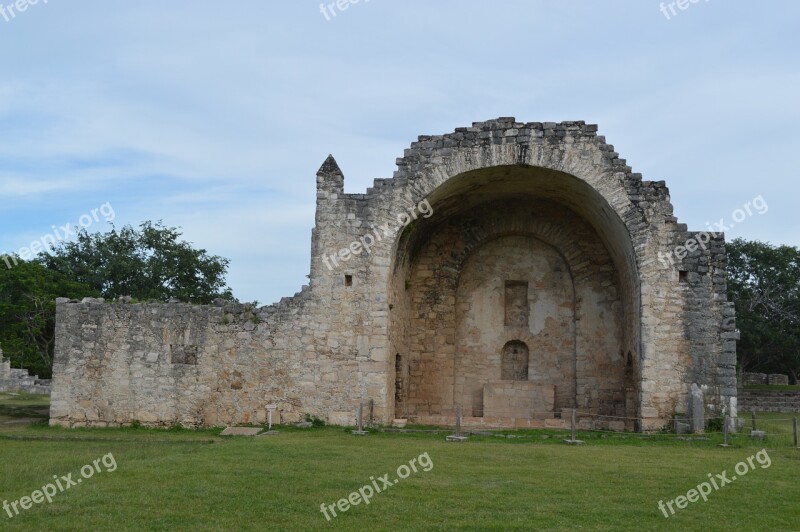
754,419
794,422
270,410
371,411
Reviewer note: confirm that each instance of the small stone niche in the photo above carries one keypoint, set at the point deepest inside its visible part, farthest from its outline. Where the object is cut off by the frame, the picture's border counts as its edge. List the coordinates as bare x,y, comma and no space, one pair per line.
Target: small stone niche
514,364
183,354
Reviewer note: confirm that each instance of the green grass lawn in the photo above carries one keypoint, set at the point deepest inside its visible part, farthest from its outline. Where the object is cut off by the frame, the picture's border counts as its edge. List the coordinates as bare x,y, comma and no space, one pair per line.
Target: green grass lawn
196,480
21,406
778,426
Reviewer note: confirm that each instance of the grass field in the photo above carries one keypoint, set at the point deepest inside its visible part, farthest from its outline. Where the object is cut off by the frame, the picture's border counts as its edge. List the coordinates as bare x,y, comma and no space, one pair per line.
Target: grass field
196,480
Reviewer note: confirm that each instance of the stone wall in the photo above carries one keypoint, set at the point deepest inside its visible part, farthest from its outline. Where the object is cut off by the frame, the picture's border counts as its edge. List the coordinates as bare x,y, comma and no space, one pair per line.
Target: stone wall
415,307
764,378
518,400
19,380
768,401
164,364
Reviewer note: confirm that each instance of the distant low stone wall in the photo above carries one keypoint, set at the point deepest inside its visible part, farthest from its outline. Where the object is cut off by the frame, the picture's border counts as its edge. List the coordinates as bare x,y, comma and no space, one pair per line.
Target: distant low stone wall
749,379
768,401
19,380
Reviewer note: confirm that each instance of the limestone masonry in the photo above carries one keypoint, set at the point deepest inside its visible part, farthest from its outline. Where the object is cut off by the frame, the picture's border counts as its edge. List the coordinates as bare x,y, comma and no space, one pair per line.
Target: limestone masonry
19,380
509,268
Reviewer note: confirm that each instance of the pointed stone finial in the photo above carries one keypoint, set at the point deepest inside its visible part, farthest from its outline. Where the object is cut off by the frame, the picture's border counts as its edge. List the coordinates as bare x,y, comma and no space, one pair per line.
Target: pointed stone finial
329,167
330,177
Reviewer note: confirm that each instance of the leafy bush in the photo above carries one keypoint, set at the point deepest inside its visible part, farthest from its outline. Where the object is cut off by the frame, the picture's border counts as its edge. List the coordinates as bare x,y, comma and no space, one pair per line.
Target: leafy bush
315,421
715,424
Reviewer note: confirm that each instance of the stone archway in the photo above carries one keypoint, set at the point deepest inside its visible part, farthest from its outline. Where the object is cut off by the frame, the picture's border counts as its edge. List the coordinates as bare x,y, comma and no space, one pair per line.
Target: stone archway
565,166
524,268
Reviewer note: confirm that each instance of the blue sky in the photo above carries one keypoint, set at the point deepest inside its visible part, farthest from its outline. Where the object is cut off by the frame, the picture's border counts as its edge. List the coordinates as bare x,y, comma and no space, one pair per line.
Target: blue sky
215,116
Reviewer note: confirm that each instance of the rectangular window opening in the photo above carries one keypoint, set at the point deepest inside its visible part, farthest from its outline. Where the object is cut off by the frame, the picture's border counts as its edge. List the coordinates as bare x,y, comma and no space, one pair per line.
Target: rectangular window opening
516,304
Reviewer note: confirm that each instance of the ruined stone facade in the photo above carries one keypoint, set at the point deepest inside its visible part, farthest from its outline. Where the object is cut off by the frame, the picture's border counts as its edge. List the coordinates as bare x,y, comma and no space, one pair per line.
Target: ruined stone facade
510,268
19,380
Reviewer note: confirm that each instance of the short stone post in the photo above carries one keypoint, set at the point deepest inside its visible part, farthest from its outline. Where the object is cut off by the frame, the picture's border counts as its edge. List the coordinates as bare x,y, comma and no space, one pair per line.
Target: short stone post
270,410
725,432
360,431
756,433
458,437
697,409
573,440
573,424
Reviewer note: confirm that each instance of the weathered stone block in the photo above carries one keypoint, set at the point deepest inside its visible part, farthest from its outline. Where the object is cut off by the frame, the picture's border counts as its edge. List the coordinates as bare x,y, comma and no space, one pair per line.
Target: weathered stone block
241,431
517,399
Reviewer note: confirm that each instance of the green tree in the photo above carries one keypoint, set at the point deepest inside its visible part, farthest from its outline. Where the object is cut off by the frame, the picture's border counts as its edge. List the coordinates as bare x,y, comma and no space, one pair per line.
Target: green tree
150,263
27,313
764,283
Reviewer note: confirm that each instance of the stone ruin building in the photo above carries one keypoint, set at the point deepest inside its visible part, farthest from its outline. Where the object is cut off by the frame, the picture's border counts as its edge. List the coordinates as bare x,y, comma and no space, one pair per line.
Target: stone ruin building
519,270
19,380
